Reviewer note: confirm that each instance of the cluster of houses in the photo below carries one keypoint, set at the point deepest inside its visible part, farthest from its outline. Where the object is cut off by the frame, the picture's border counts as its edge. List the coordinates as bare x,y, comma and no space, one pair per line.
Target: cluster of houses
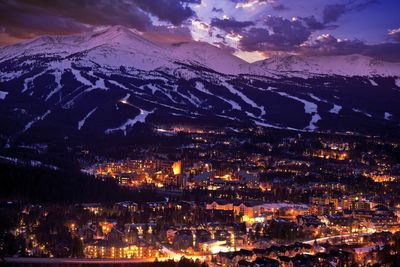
105,240
259,212
297,254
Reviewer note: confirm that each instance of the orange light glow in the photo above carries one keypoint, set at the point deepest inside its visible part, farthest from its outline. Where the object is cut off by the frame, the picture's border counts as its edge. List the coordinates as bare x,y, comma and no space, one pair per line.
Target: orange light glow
177,167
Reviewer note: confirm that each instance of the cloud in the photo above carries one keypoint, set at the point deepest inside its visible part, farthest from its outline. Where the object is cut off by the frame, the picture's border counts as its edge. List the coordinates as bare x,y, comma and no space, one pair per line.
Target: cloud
230,25
224,46
168,10
395,34
313,24
168,34
29,18
279,34
245,4
283,36
254,39
280,7
332,12
358,6
328,45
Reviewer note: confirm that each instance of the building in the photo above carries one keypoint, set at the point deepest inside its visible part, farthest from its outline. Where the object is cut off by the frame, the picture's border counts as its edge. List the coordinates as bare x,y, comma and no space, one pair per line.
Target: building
106,249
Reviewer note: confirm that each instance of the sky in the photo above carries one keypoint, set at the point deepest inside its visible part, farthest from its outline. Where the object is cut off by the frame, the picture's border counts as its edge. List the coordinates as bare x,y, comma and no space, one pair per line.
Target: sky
250,29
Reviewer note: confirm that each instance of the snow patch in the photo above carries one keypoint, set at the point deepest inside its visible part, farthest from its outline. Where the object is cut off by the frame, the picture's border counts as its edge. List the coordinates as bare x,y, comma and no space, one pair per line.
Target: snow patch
117,84
397,82
82,122
309,108
131,122
8,76
244,98
39,118
57,77
99,81
29,81
362,112
388,116
195,101
335,109
155,88
3,95
33,163
268,125
200,86
373,82
80,78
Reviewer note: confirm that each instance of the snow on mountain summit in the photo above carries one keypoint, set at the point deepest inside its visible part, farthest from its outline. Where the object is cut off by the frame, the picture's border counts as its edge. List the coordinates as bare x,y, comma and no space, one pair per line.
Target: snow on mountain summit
120,46
348,65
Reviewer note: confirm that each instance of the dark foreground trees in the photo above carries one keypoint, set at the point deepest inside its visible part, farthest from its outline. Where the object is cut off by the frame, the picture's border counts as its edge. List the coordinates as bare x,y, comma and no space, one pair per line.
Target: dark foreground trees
40,185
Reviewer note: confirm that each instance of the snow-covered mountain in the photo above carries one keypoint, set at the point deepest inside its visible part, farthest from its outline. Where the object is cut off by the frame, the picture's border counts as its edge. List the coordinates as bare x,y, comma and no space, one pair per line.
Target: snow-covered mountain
119,46
111,81
353,65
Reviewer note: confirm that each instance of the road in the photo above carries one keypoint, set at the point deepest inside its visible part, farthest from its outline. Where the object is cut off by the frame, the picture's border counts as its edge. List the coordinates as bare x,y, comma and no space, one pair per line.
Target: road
74,261
343,237
170,255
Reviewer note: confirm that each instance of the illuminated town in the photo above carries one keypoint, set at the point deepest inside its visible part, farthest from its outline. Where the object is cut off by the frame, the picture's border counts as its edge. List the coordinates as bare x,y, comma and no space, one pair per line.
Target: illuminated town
212,199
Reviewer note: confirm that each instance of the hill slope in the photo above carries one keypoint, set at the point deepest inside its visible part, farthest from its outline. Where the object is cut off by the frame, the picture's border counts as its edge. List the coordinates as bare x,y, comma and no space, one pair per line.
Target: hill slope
112,81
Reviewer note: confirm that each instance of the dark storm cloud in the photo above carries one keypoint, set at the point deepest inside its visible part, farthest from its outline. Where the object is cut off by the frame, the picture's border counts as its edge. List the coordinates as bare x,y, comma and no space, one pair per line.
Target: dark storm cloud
47,16
168,10
28,18
230,25
255,39
329,45
279,35
313,24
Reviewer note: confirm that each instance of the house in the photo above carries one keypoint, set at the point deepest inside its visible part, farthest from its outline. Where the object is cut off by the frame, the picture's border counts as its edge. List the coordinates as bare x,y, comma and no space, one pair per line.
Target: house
265,262
203,177
183,240
112,249
232,259
219,205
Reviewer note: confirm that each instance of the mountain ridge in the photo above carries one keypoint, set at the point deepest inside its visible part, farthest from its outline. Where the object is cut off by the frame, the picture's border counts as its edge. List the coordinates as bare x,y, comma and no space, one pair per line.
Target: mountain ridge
112,89
120,38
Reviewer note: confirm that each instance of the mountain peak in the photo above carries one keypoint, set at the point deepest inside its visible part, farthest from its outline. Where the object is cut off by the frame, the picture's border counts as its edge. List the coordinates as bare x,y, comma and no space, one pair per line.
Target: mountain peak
114,31
119,35
119,28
